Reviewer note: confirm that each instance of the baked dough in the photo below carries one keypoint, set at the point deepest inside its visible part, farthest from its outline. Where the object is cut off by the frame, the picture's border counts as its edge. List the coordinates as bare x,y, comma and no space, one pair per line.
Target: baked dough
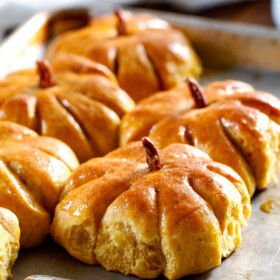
178,220
242,132
149,57
76,100
9,242
32,170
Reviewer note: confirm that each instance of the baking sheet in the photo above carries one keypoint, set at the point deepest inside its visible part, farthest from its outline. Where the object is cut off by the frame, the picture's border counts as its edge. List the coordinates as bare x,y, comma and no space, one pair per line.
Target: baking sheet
258,257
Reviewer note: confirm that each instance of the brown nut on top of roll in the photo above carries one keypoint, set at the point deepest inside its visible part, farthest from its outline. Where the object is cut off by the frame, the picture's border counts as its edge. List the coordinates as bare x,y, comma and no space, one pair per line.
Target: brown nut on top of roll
32,171
144,52
241,130
75,100
9,242
177,214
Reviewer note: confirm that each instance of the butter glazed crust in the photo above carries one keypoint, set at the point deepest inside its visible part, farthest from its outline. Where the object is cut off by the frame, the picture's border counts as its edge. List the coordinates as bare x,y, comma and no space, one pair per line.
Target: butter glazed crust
179,220
82,108
152,56
232,133
32,170
9,242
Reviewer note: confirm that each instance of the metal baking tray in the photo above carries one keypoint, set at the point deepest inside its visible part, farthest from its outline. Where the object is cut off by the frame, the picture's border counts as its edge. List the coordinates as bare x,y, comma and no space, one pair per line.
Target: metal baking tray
228,51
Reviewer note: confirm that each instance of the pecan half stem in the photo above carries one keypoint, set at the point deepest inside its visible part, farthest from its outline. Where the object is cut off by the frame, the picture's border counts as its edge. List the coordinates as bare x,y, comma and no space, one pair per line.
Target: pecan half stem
121,24
197,93
45,74
152,155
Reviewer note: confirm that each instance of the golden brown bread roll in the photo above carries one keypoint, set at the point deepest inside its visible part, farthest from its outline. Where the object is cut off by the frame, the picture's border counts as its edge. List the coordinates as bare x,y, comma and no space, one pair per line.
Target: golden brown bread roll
145,53
177,216
242,133
9,242
78,102
32,170
139,122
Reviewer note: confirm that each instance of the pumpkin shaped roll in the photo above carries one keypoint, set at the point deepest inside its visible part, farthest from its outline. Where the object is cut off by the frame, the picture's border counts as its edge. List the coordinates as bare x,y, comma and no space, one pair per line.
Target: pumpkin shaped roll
178,215
145,54
32,170
9,242
139,122
76,100
243,134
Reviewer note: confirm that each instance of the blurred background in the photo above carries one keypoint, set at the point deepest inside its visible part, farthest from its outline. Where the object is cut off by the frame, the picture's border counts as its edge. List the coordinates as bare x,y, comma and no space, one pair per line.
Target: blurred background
263,12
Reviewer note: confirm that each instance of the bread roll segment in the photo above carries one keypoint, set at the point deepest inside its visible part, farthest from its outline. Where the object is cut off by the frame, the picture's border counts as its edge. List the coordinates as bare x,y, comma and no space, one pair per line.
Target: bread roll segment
131,239
179,220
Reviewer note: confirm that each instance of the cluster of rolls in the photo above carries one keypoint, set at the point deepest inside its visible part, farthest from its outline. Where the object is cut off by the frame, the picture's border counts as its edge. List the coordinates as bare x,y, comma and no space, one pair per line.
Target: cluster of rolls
162,206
